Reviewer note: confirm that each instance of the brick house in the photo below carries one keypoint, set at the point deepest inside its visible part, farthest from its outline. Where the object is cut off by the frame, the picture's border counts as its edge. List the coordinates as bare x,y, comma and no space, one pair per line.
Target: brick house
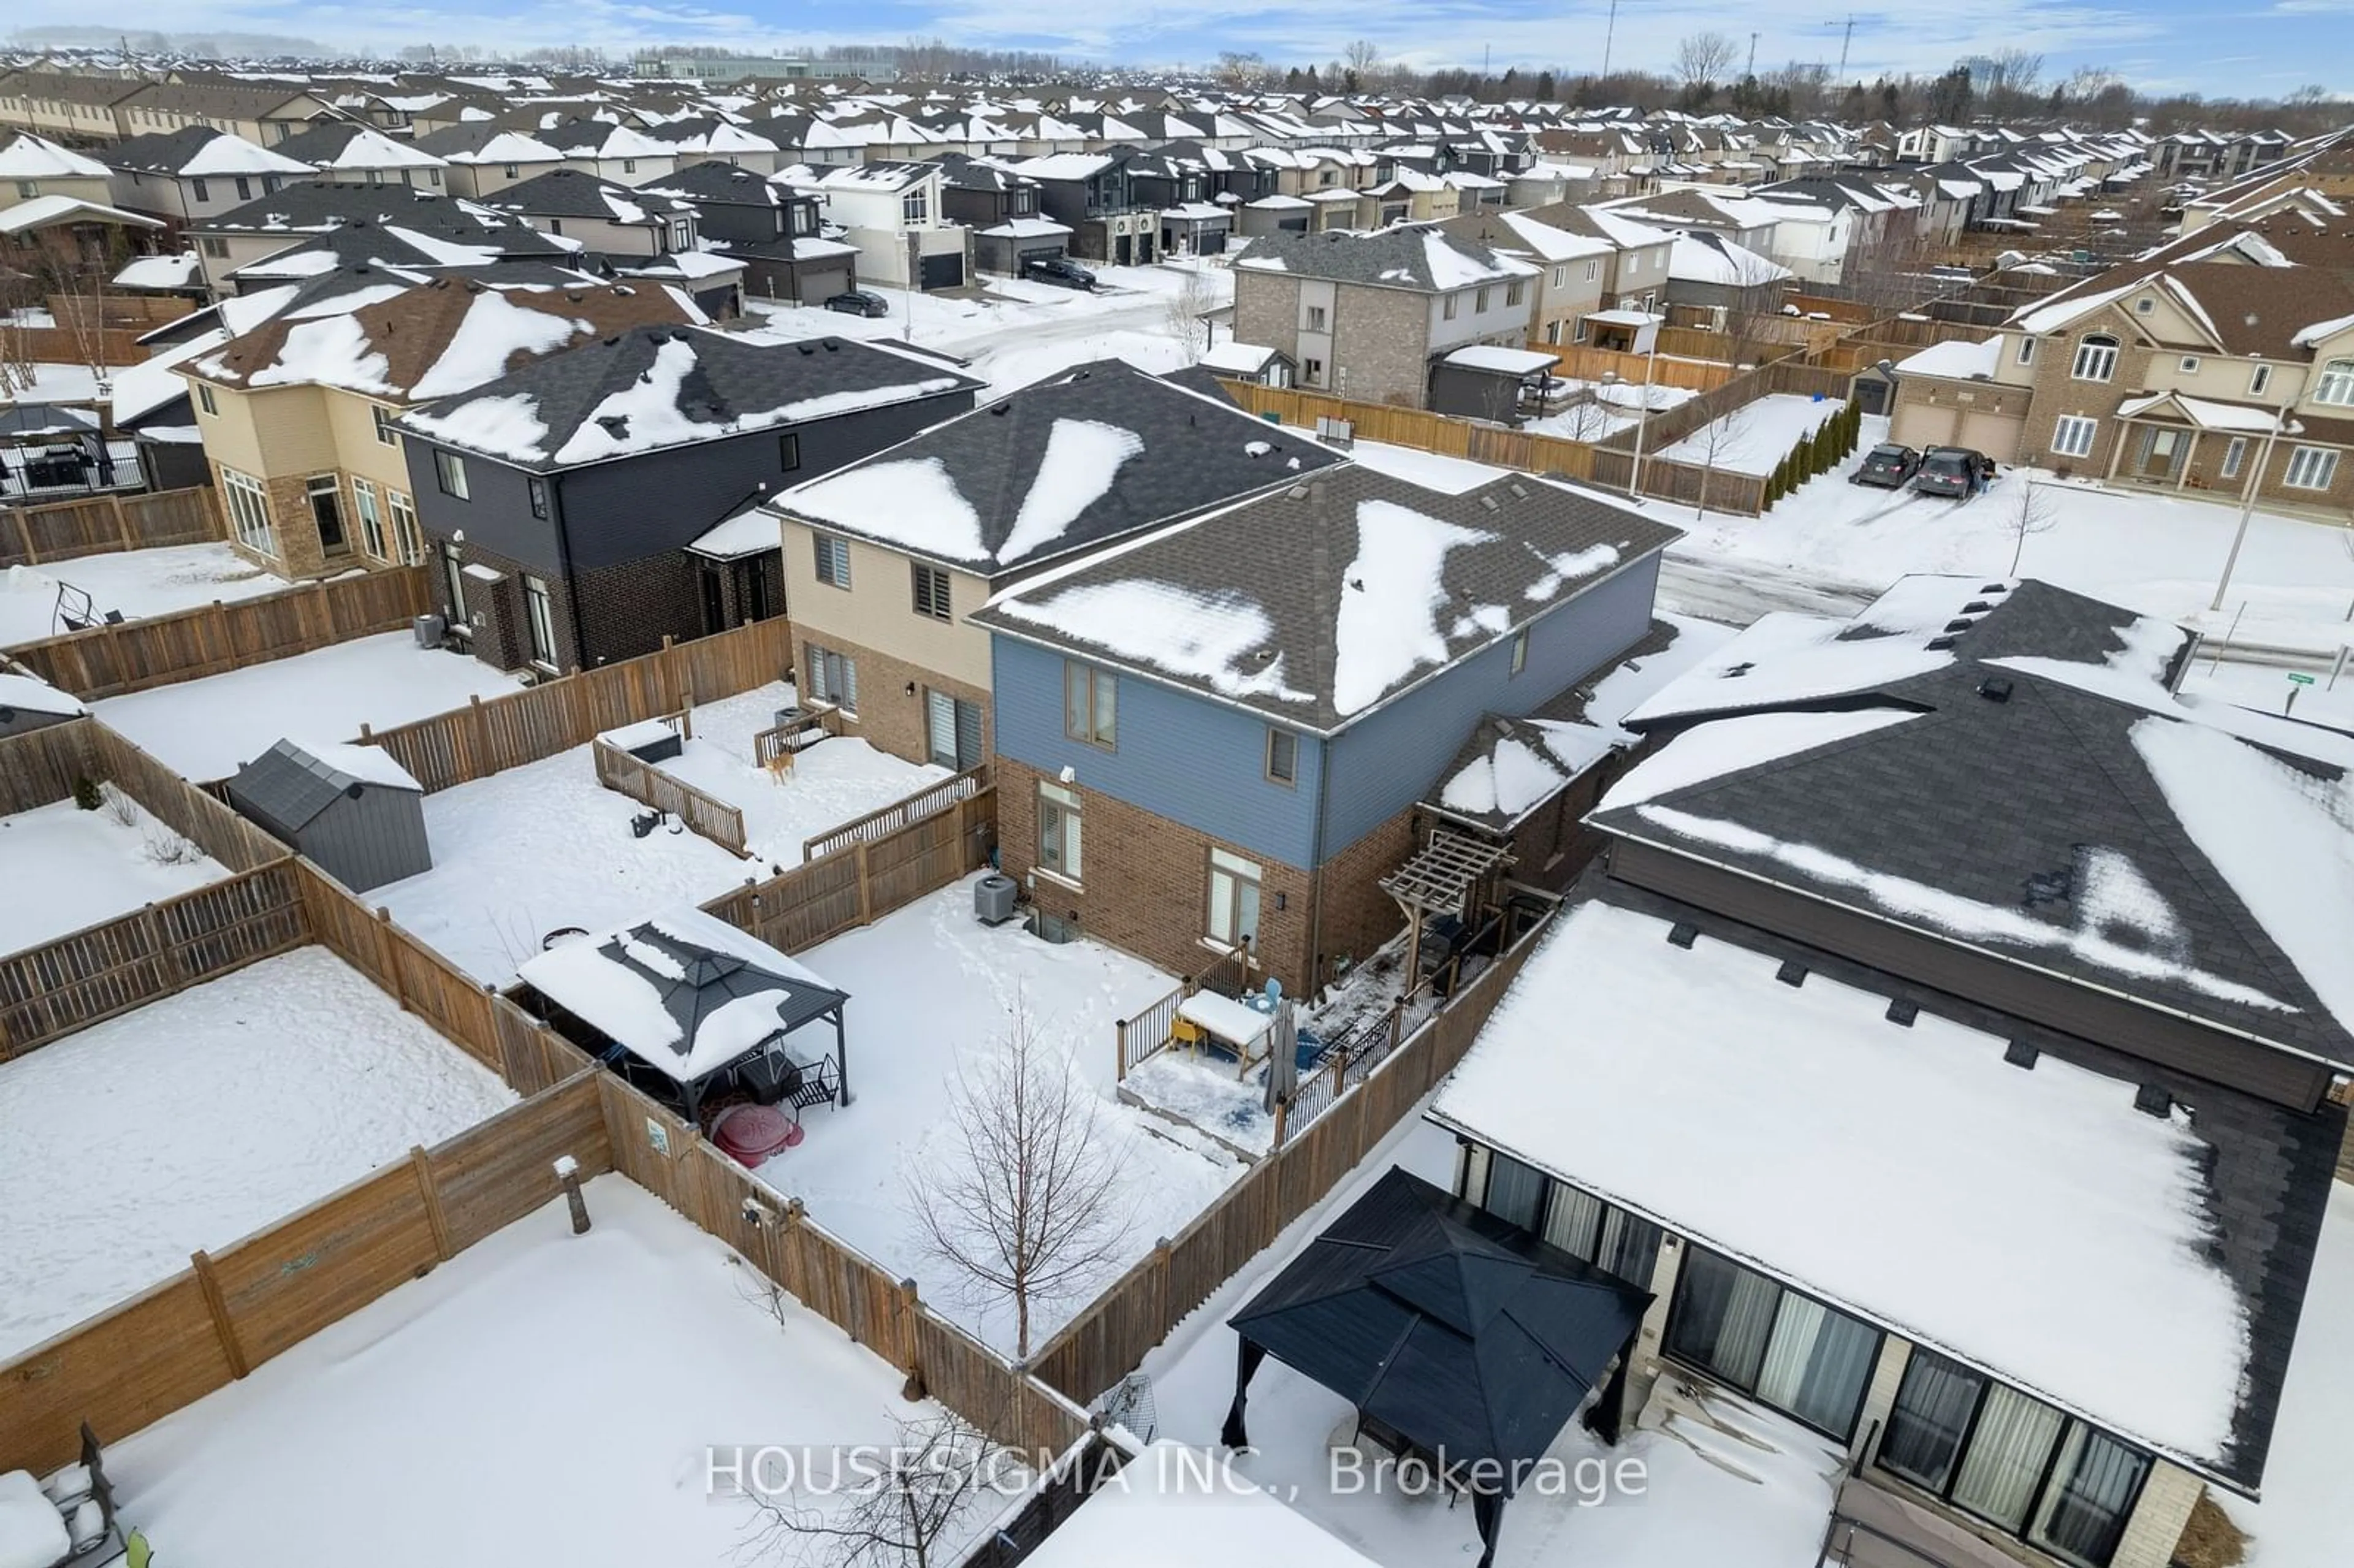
1220,735
2227,374
2081,1058
1365,315
298,413
774,232
887,559
589,503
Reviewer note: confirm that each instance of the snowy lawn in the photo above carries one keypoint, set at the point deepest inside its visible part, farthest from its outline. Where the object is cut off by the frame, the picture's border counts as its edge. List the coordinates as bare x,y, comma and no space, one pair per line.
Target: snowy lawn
2150,552
209,728
1615,406
540,847
68,868
542,1398
2301,1523
139,583
1757,436
202,1118
929,987
2268,689
1713,1499
831,782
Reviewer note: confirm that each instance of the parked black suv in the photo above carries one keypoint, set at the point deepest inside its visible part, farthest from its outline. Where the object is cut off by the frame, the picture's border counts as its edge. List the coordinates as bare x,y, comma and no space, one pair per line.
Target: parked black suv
1956,472
1887,466
1059,270
859,303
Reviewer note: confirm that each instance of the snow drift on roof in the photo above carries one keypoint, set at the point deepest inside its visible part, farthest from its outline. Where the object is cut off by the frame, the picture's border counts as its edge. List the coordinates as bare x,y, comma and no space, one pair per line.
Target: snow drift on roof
493,332
1222,637
1083,457
1388,622
912,502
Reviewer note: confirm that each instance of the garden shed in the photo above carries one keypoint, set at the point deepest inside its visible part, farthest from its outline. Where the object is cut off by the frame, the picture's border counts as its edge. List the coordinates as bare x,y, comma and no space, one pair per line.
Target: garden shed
352,809
27,703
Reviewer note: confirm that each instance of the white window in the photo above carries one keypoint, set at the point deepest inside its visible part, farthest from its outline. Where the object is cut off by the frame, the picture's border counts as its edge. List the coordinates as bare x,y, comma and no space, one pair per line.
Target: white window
1282,756
1234,900
205,399
1592,270
2073,436
681,236
404,527
371,517
1090,704
1311,372
832,560
629,166
2144,306
541,622
1479,302
1058,830
449,473
2312,468
2096,359
1579,334
1561,276
2190,365
1315,318
1515,292
1553,332
2337,383
384,430
916,207
249,511
2026,351
1448,307
931,591
2260,380
453,584
833,678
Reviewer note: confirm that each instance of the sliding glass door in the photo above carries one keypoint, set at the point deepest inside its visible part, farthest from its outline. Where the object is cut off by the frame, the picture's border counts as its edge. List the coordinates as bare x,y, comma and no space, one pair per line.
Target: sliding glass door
1580,1224
1785,1349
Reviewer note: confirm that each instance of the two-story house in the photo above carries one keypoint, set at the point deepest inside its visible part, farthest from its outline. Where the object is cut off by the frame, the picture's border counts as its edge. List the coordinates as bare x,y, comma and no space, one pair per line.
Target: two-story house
589,504
354,154
1989,1140
188,177
885,560
894,213
1089,194
484,157
709,137
298,414
773,232
65,106
610,150
1366,315
1001,208
1217,738
1571,278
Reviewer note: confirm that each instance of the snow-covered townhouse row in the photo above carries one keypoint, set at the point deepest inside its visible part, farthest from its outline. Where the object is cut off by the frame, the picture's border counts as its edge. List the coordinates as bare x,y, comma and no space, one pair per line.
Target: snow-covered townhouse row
57,215
885,560
634,231
285,237
1944,1037
1223,733
2222,366
188,177
297,411
707,136
354,154
484,157
775,233
1365,316
893,212
591,503
1573,269
610,150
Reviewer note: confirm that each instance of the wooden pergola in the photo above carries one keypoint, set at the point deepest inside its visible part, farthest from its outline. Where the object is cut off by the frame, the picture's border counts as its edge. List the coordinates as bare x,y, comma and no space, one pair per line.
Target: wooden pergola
1446,876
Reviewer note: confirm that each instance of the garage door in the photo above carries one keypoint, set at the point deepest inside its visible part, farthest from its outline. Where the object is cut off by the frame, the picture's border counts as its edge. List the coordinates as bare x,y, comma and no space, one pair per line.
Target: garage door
945,271
819,285
1924,425
1996,435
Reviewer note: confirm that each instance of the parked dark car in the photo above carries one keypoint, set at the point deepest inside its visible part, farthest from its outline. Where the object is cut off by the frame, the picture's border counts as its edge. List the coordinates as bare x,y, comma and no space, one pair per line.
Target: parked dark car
1887,465
859,303
1956,472
1060,271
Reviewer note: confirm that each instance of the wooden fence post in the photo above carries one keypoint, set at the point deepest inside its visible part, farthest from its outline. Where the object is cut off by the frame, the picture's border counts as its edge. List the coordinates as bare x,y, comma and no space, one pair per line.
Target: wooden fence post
166,954
121,523
217,1305
387,948
866,889
25,535
911,1312
430,1193
481,737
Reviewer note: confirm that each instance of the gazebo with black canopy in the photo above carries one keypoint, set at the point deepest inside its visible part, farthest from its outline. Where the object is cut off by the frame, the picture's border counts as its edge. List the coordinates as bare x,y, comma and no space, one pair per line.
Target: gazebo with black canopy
1457,1335
689,995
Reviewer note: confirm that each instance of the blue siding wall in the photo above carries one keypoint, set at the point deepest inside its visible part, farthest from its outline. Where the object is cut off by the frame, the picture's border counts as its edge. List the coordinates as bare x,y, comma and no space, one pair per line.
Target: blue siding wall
1389,760
1194,761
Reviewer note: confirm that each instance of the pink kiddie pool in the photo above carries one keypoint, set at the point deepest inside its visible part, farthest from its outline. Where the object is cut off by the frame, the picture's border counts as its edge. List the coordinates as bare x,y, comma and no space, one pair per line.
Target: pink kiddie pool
750,1134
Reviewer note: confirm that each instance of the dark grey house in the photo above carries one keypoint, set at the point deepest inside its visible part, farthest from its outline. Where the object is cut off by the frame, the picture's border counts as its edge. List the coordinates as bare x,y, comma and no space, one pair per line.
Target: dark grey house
772,229
562,503
1000,208
352,809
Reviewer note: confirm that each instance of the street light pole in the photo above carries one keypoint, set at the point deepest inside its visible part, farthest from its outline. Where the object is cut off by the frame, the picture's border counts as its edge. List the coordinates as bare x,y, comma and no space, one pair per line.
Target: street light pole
1643,417
2248,504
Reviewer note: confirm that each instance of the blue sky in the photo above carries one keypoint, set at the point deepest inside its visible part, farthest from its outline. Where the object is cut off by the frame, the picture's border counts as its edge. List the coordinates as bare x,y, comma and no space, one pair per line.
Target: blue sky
2264,49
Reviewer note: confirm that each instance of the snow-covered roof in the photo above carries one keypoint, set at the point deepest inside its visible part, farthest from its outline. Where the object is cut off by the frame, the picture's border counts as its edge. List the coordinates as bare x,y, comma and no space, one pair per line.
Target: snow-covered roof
179,272
1239,358
27,693
2204,412
1023,229
751,532
2032,1223
1957,360
1503,361
232,154
31,157
43,210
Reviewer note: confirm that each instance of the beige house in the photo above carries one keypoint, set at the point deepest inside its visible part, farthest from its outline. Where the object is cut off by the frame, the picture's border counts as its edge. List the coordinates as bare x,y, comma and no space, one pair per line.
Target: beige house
262,114
297,414
1573,269
2223,377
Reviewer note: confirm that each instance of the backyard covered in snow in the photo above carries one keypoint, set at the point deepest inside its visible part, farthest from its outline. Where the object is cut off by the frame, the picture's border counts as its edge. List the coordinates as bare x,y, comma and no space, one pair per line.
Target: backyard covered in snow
932,989
209,727
1727,1486
544,846
203,1118
1756,436
68,868
138,583
542,1397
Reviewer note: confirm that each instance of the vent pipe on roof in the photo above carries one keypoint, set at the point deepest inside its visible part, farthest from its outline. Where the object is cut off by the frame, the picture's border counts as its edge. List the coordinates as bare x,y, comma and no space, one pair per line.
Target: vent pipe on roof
2154,1099
1995,689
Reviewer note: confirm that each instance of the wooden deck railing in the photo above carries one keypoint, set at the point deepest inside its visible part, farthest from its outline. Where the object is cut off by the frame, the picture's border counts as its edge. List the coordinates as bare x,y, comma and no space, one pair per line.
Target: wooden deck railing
928,802
648,784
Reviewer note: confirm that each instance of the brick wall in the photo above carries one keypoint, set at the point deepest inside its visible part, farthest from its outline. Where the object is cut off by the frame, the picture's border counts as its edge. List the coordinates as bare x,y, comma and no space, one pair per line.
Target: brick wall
2058,393
890,717
1381,340
627,610
1358,915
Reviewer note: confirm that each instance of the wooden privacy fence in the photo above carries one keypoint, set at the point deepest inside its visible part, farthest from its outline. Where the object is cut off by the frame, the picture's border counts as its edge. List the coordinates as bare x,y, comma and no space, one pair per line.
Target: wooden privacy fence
40,768
106,346
1415,428
232,1310
925,802
105,970
825,897
101,524
649,785
1587,364
662,1154
486,737
1108,1341
163,650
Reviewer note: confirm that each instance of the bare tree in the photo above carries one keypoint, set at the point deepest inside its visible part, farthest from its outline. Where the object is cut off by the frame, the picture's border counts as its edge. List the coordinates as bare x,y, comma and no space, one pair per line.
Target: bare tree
1364,57
2029,511
1188,308
1025,1206
912,1512
1237,70
1753,294
1714,441
1705,57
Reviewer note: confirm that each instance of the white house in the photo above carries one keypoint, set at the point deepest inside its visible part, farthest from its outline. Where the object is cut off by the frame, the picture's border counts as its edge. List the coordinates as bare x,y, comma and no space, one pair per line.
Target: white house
892,213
